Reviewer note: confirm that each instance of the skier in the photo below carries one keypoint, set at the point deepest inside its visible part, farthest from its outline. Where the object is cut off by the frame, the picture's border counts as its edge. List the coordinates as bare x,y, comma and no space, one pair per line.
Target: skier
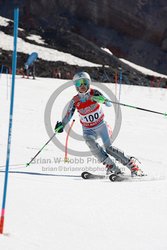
87,102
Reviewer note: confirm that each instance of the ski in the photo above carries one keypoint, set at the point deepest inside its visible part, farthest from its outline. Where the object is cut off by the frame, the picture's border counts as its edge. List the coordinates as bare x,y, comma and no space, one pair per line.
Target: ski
111,177
116,178
88,175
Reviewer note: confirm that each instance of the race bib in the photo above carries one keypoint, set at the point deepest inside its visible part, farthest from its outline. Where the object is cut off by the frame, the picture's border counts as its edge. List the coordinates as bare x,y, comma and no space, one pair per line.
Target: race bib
92,118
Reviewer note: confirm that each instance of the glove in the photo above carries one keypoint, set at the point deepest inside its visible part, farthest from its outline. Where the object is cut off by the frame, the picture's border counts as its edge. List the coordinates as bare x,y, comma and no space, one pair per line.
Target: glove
59,127
99,99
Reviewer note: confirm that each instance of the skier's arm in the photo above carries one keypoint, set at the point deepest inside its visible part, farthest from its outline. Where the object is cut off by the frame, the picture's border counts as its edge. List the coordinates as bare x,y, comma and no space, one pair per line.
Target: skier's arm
70,111
100,98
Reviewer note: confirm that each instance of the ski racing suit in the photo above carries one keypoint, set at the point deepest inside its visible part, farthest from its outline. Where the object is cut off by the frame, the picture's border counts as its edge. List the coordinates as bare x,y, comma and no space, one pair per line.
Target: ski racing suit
94,127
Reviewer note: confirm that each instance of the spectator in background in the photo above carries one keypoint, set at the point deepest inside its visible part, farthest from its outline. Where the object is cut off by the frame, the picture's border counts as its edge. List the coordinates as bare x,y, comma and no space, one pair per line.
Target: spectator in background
68,75
29,70
29,66
56,73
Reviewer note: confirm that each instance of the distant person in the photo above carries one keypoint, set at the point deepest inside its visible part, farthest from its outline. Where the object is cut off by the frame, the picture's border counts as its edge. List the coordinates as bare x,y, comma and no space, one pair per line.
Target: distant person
56,73
29,70
29,66
68,75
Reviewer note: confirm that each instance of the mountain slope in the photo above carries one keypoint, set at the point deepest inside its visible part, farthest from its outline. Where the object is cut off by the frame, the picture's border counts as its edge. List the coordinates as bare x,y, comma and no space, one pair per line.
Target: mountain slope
134,30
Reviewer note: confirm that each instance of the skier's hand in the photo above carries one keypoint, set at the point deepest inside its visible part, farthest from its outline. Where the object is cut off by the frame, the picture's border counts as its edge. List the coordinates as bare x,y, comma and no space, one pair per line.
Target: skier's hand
59,127
99,99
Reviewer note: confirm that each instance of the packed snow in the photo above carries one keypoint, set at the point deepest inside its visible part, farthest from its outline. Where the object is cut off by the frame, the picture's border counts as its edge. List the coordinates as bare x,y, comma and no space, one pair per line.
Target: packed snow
36,38
107,50
4,21
143,70
138,67
49,206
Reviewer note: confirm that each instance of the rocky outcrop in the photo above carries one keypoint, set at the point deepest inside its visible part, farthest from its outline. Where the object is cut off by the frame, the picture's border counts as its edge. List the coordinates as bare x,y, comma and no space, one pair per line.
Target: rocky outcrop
135,30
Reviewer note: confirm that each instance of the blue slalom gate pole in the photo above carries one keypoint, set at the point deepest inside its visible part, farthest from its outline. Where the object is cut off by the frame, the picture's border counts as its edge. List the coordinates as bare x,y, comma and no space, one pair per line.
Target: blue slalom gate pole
14,64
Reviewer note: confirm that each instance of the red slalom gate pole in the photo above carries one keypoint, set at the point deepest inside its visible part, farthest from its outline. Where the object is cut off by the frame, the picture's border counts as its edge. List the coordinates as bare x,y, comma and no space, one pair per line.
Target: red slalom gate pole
66,145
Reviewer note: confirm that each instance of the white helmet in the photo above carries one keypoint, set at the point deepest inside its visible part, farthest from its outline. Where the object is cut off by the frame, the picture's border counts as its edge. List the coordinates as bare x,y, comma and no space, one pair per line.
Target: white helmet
82,78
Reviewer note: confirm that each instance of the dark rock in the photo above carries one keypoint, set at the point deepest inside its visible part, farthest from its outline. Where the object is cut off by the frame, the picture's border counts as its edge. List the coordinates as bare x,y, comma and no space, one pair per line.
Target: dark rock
134,30
164,45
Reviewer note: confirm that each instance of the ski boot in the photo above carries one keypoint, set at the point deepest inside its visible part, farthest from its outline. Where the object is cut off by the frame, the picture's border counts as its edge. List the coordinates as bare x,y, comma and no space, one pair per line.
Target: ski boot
111,168
134,168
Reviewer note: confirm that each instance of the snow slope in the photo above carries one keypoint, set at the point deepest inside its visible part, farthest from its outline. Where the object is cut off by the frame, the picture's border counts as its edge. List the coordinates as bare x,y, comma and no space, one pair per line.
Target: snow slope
138,67
43,52
4,21
49,207
142,69
55,55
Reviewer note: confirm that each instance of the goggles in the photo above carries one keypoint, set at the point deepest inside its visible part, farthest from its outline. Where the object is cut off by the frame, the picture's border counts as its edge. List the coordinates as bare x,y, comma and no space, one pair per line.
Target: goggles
80,82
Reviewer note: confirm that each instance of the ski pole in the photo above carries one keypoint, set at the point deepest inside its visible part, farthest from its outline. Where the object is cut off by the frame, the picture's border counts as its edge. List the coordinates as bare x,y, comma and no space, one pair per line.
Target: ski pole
101,99
56,131
135,107
40,150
